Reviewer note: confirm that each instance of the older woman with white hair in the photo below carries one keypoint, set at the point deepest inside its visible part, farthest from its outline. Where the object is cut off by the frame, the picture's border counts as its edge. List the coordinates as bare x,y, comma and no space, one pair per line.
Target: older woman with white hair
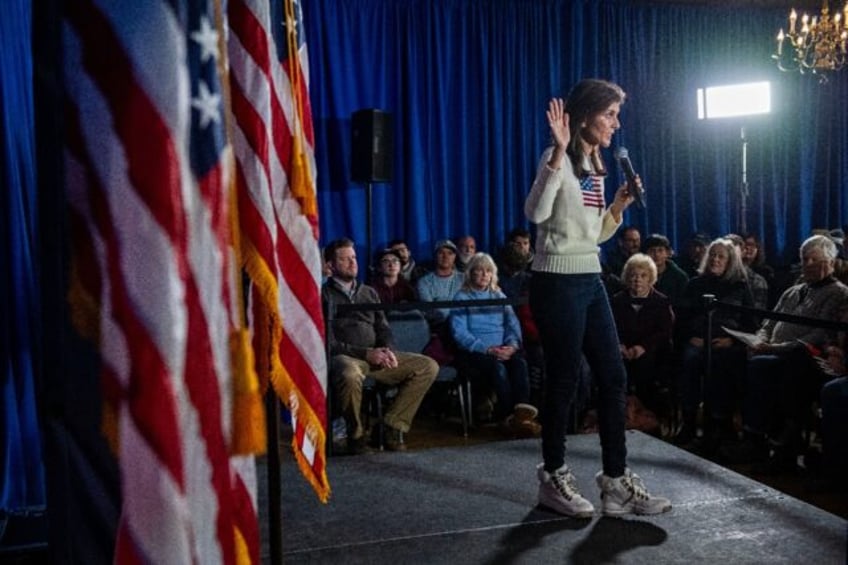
721,275
488,339
644,321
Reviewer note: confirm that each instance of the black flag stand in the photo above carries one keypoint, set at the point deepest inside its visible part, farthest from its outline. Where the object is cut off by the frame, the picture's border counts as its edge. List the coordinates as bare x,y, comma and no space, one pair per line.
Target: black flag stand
274,477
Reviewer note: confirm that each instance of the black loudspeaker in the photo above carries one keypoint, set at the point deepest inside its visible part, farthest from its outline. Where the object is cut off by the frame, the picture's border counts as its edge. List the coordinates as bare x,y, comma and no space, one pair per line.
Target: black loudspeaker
371,143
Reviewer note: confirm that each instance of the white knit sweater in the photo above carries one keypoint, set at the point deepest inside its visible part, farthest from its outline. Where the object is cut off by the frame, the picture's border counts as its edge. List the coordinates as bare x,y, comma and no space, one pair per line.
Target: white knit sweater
570,221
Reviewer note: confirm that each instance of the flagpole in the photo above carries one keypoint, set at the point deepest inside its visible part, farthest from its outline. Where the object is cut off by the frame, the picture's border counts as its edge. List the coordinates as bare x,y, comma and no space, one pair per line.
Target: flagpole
275,498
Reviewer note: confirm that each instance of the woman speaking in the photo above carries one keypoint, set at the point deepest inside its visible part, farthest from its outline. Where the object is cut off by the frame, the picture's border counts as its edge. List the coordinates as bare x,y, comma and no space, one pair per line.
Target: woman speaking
570,305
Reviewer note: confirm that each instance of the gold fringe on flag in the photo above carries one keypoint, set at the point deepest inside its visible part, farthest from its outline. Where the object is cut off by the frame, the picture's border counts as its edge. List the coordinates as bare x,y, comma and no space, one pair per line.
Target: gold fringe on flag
242,551
308,420
268,329
249,431
301,182
84,309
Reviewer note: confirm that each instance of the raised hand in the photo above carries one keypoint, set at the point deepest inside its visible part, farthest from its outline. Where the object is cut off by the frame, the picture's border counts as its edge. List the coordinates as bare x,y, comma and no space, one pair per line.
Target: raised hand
558,120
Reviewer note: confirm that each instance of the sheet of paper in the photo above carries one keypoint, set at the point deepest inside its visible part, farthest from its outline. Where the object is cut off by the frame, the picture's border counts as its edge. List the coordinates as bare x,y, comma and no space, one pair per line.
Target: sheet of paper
749,339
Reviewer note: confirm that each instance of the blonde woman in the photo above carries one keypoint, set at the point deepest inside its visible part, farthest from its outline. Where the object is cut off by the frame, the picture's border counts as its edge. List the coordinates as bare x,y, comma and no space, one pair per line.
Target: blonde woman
489,345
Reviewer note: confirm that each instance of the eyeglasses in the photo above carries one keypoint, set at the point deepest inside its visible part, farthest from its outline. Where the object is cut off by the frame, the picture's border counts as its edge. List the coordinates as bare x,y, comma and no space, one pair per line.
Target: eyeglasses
389,261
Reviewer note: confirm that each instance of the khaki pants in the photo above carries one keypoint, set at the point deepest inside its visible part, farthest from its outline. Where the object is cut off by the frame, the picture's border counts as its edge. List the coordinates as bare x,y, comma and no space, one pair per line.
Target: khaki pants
413,377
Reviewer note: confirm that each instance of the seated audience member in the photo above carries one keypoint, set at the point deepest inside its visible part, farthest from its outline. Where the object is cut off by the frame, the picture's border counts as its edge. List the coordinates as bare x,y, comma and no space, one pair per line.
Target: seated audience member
840,266
390,286
834,425
488,342
442,283
757,283
693,252
514,280
409,269
326,269
466,248
754,257
843,232
360,345
519,240
723,276
782,378
671,279
838,237
644,320
513,273
628,242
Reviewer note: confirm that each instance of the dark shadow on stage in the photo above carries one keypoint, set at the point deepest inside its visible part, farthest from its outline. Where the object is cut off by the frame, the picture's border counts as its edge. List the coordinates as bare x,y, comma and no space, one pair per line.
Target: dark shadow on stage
613,536
606,541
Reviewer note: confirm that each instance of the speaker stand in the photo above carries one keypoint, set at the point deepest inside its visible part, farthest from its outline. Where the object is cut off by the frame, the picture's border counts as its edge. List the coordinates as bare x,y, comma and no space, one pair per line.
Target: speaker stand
368,212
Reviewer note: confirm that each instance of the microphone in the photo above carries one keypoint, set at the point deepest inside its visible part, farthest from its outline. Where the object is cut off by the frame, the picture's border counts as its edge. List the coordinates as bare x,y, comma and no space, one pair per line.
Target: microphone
623,158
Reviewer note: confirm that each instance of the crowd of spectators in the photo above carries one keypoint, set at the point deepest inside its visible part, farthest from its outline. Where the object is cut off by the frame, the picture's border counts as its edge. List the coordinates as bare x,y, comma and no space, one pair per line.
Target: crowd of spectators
718,393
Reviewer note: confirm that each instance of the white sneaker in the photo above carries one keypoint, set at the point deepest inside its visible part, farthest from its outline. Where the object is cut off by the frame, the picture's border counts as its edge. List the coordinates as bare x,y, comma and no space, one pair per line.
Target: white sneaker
558,491
627,495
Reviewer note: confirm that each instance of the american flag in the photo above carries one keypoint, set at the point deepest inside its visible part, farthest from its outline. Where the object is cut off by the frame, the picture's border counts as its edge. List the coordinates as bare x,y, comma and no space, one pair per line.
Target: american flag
273,141
147,179
592,188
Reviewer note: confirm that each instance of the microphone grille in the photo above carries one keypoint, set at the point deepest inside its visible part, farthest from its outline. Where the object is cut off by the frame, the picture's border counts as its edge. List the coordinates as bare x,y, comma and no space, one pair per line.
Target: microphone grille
621,153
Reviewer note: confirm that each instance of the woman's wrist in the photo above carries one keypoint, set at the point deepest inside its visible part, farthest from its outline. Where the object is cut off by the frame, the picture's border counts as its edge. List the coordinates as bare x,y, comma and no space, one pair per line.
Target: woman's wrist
616,211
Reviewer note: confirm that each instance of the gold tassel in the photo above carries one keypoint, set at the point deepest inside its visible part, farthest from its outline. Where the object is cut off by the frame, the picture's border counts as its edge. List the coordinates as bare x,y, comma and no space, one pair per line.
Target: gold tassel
249,432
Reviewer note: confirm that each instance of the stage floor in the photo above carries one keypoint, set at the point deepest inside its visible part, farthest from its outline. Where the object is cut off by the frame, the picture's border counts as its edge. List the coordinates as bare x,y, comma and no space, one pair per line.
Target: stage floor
477,504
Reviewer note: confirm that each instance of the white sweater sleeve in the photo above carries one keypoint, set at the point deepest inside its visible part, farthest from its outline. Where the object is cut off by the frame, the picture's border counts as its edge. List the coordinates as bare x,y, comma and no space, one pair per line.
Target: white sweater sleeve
609,227
540,202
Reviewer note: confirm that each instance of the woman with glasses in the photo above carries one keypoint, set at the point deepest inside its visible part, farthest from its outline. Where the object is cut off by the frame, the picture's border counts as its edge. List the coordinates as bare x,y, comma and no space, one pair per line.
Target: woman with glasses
390,286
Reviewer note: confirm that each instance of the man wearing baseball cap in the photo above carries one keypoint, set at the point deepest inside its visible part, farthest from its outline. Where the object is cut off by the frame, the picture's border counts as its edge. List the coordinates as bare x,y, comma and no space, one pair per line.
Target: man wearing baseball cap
443,283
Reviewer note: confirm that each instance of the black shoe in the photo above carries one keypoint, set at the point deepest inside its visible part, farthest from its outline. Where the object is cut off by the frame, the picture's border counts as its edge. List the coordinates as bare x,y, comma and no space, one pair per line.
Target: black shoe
393,439
386,437
824,483
358,446
686,437
778,462
752,449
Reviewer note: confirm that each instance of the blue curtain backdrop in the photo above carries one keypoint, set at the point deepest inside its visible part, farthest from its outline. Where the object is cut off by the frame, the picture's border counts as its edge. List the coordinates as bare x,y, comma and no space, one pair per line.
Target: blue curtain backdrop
21,471
467,82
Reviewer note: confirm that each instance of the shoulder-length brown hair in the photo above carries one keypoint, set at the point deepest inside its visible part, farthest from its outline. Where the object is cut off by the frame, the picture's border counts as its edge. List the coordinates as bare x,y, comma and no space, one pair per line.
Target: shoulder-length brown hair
588,98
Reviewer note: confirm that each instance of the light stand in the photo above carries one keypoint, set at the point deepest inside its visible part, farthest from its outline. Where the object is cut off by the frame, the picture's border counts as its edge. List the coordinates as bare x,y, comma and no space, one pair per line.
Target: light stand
742,220
736,101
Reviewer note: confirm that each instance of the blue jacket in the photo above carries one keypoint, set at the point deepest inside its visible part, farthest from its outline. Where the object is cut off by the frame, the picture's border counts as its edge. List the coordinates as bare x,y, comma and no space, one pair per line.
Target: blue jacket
477,329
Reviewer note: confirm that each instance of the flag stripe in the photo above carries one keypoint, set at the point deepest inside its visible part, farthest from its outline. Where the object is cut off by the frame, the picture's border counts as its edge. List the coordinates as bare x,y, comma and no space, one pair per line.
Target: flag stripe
286,275
144,356
147,142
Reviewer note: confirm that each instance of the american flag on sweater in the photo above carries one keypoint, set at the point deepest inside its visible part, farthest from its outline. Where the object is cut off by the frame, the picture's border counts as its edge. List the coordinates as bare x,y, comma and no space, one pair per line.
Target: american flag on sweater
274,144
147,178
592,188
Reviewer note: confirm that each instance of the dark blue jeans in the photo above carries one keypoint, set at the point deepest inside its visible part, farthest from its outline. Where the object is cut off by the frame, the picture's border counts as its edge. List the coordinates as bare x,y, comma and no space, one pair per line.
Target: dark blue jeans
834,403
778,391
721,387
573,315
509,379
